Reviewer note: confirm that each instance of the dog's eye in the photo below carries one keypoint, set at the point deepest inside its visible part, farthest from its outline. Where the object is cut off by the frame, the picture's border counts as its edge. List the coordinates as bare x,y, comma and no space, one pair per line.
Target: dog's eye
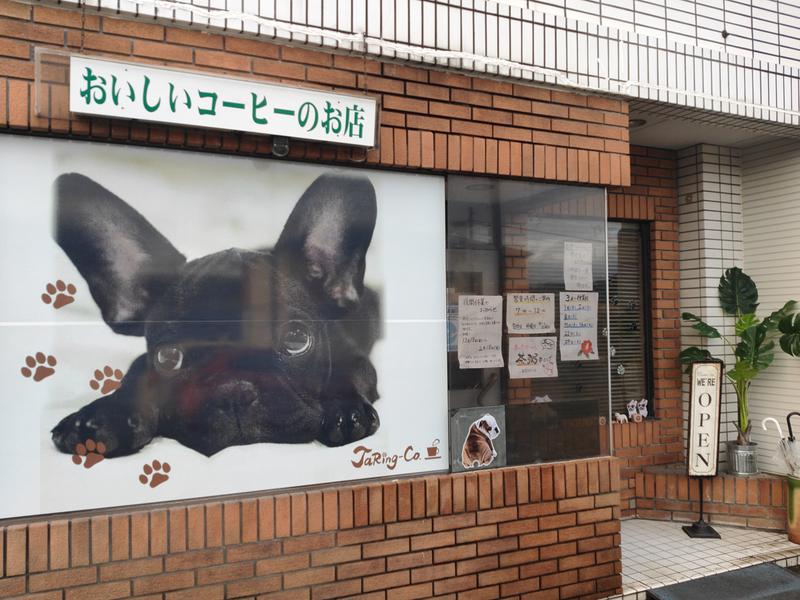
169,358
296,339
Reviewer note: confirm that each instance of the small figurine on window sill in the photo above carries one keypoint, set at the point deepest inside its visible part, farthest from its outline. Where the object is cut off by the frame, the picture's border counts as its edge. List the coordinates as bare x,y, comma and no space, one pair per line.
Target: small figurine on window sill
642,405
632,409
637,412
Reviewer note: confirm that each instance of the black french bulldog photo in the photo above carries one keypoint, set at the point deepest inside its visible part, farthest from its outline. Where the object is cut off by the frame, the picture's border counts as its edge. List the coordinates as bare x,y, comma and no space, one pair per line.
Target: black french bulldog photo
243,346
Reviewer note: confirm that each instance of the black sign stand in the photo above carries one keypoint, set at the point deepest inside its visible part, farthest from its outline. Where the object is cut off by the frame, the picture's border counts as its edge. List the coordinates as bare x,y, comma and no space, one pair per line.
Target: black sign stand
700,529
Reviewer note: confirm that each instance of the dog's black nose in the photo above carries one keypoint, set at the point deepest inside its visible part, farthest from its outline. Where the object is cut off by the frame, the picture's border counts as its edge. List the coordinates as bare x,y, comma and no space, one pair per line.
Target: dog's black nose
236,396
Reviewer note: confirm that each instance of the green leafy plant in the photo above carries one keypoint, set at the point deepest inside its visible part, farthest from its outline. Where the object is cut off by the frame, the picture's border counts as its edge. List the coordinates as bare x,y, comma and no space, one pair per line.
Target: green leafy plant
754,342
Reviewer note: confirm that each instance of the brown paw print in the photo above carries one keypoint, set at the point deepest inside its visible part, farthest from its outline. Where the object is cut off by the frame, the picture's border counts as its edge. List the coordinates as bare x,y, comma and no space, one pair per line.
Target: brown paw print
106,380
59,294
89,453
39,366
155,474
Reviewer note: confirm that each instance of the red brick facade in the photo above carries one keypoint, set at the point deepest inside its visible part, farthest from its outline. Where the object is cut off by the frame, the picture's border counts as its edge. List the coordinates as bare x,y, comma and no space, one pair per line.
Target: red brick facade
431,120
653,197
666,493
539,532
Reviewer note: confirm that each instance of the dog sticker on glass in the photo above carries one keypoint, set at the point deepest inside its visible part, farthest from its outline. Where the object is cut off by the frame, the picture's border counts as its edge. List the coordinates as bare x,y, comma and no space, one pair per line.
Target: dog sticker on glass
243,346
478,449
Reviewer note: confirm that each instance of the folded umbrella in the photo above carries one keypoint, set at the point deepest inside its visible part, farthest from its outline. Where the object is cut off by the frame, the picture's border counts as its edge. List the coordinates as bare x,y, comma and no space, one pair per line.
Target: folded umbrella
790,447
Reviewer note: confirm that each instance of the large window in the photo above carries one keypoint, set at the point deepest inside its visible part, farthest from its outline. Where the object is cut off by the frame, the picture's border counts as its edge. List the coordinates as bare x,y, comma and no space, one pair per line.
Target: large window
537,376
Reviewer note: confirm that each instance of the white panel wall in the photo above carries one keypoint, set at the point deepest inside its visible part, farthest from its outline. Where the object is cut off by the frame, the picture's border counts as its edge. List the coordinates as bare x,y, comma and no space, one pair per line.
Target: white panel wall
513,41
766,30
771,214
710,240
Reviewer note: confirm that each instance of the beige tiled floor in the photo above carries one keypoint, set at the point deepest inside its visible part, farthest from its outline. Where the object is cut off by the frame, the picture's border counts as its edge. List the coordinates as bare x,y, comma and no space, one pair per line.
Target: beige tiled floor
658,553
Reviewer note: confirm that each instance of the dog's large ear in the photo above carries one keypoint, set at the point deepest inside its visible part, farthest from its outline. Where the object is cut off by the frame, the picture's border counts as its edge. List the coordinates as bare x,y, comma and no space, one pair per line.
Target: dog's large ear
125,261
325,239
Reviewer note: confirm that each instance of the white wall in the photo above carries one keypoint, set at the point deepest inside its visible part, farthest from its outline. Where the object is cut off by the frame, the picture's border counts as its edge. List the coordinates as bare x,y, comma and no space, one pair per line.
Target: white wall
710,238
771,215
762,29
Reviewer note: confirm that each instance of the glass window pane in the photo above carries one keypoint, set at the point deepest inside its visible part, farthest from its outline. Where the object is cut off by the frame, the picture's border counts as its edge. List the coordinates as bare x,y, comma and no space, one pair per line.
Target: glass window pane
628,306
509,239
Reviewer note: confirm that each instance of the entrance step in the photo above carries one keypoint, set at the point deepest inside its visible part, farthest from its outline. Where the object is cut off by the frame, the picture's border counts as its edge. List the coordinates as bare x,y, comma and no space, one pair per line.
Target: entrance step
761,582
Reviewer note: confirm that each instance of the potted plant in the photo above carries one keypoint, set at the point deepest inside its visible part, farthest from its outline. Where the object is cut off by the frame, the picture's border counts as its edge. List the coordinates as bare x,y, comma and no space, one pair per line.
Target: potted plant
753,347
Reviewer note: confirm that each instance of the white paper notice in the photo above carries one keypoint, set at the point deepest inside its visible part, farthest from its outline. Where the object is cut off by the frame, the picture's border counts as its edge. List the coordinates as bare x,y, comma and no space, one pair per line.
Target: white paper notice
578,266
480,328
578,339
530,313
532,357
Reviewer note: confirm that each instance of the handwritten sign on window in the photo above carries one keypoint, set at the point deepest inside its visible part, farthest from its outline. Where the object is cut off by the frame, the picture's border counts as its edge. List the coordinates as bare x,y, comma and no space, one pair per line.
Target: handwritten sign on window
532,357
578,266
530,313
480,321
137,91
578,338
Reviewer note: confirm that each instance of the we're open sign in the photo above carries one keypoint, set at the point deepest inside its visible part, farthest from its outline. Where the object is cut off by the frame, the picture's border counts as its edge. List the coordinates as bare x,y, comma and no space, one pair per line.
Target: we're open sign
704,418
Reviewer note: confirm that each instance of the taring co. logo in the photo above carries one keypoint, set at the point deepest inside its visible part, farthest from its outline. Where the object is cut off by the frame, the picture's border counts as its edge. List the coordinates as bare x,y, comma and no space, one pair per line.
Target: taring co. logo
367,457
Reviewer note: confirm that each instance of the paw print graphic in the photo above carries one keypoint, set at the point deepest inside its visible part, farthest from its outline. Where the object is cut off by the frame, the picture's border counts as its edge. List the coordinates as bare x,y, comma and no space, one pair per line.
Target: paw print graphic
155,473
106,380
59,294
39,366
89,453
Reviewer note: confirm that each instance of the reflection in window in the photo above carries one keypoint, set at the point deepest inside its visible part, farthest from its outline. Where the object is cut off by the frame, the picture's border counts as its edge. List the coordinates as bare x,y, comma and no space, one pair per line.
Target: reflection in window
510,237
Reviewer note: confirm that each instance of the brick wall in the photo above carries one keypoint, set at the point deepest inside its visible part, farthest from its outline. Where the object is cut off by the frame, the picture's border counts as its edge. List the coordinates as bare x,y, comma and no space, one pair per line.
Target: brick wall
538,532
429,119
667,493
652,196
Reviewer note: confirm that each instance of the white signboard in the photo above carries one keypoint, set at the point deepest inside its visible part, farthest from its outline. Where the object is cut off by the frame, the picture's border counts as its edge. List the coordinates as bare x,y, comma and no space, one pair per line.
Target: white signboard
578,266
578,339
704,418
532,357
135,91
480,321
530,313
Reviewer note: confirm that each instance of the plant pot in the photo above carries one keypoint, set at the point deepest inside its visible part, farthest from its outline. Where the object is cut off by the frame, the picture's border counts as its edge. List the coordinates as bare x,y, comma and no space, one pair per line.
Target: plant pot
742,460
793,509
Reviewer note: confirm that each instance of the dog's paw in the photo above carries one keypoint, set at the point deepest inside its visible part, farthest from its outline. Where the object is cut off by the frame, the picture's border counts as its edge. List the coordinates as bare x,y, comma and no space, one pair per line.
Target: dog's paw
107,380
59,294
89,453
39,366
155,473
346,421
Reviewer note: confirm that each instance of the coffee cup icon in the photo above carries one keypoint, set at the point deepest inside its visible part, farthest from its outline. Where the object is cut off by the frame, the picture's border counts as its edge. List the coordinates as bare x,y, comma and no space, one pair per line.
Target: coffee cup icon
433,450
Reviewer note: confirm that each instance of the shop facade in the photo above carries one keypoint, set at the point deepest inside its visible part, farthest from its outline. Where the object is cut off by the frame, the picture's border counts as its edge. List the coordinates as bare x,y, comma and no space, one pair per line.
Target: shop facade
482,188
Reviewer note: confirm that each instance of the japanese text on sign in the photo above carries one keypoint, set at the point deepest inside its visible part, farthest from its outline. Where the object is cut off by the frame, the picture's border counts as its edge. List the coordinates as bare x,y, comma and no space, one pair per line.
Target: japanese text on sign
480,321
113,89
532,357
578,266
530,313
578,336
